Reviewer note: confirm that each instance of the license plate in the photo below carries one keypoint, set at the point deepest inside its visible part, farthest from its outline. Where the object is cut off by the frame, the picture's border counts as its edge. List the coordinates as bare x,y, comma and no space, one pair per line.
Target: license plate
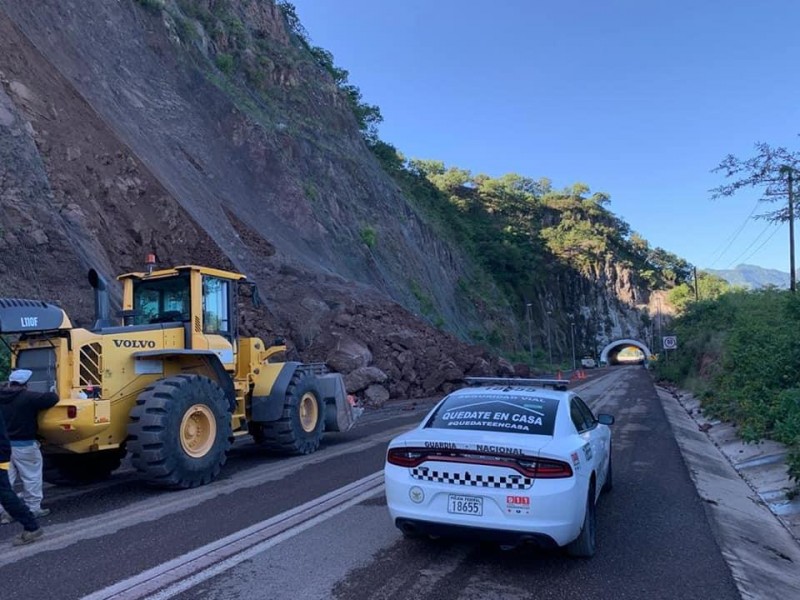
464,505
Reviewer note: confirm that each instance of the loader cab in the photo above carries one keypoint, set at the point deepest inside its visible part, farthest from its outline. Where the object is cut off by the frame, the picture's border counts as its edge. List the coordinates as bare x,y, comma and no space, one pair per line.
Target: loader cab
163,300
201,300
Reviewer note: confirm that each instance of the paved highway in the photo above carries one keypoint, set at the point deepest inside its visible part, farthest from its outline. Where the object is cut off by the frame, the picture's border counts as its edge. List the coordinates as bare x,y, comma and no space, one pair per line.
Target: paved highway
317,527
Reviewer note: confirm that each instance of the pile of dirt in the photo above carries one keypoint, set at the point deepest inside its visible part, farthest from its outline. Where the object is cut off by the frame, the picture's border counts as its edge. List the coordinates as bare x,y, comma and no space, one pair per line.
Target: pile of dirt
386,353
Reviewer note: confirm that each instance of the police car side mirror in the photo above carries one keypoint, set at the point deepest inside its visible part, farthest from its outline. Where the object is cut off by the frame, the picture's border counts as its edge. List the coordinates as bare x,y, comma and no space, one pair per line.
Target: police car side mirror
605,419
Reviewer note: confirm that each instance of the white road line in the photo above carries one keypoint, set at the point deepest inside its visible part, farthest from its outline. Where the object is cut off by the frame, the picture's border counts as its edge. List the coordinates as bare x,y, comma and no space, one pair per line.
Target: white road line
191,569
163,504
600,389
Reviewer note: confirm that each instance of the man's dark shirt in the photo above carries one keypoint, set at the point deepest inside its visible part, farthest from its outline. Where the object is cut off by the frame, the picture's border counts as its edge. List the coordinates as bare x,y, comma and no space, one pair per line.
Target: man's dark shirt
5,444
20,408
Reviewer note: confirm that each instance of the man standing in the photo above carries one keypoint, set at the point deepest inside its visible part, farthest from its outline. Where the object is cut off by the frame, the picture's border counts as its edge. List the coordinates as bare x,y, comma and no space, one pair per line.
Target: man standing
9,500
20,408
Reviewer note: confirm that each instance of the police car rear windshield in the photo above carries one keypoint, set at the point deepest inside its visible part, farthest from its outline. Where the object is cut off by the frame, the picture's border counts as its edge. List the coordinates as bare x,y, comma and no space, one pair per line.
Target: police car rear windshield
502,413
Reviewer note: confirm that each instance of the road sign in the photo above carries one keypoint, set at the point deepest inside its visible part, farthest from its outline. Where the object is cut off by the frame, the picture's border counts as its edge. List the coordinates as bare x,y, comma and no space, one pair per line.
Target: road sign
670,342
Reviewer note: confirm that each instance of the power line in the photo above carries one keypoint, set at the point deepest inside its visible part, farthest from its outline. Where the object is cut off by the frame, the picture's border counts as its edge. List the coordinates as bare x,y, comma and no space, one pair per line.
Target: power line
734,236
746,250
754,252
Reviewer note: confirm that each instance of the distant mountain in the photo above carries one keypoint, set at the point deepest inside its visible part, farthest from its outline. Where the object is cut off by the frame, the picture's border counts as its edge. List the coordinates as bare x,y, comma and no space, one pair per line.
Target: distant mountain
752,276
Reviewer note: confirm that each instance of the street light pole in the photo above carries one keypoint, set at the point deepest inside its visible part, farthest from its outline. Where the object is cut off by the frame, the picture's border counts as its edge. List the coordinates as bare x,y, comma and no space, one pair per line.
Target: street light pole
572,330
528,310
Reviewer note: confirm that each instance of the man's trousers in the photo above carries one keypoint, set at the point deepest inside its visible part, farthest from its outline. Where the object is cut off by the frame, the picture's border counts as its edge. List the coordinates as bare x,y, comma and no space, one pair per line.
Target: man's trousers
27,463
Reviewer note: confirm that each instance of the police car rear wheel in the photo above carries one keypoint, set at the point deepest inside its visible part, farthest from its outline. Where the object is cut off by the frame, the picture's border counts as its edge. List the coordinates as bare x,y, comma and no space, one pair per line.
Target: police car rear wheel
584,545
608,484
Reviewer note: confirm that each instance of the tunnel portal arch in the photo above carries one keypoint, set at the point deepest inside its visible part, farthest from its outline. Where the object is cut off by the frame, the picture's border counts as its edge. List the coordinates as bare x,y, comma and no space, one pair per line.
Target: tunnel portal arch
624,342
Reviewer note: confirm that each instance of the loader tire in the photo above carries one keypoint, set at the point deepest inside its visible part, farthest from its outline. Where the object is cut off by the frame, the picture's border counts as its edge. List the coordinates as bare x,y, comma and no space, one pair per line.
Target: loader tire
180,432
81,469
299,430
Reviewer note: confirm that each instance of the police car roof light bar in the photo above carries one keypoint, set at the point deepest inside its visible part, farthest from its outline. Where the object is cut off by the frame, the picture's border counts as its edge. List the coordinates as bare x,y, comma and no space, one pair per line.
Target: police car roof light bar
556,384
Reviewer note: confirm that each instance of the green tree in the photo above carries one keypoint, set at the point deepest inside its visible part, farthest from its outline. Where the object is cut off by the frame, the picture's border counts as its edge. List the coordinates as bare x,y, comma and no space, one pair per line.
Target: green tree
292,20
368,116
709,287
766,170
771,170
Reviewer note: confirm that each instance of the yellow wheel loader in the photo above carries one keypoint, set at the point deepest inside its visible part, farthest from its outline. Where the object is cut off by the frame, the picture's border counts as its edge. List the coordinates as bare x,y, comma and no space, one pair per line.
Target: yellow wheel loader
173,384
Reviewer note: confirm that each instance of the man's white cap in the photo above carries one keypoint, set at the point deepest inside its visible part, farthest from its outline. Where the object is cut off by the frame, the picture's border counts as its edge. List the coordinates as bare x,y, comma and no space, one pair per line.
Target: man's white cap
20,376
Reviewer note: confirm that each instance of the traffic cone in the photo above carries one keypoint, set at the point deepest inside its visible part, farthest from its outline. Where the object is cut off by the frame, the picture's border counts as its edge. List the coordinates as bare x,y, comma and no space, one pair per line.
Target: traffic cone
558,375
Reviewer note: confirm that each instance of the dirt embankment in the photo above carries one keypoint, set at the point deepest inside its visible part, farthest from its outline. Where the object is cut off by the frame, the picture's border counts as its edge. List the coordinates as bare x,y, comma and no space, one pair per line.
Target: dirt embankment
74,195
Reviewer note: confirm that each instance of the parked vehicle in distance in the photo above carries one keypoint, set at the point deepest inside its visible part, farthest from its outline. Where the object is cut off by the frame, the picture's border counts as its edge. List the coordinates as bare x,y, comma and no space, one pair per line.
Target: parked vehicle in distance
508,461
588,362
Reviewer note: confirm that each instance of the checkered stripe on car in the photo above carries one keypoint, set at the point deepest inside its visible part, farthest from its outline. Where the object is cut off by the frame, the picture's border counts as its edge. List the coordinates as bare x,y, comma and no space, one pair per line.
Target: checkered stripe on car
505,482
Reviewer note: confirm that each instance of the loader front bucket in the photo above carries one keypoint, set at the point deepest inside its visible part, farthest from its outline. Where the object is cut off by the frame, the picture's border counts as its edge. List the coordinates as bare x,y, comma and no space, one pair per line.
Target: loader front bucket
340,412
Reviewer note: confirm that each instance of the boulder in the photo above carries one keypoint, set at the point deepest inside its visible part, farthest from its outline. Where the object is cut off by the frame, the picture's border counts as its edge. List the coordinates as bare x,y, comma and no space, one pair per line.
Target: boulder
504,368
376,395
404,338
363,377
481,368
446,370
349,355
399,389
522,370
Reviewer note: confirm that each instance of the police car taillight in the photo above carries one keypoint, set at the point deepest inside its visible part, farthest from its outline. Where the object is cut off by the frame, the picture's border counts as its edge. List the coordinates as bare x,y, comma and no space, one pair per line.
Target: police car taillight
405,457
546,469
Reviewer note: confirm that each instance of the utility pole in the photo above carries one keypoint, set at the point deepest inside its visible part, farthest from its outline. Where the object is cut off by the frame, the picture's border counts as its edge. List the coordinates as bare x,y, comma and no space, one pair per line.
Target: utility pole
696,292
792,275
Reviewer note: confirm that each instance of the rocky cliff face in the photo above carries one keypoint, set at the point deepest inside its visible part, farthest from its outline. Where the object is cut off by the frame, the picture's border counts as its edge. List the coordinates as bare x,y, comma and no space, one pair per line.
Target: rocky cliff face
122,134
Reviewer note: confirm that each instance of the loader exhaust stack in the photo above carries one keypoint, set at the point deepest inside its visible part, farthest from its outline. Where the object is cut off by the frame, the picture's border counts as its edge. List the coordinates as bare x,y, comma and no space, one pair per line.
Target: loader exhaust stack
102,305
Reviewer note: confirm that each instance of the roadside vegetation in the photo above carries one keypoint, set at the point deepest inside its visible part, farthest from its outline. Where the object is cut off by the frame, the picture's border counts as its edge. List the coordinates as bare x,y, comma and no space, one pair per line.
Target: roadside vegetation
515,226
739,353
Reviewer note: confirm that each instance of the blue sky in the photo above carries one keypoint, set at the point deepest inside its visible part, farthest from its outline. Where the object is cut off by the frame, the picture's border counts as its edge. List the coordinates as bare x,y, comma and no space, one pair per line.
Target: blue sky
639,99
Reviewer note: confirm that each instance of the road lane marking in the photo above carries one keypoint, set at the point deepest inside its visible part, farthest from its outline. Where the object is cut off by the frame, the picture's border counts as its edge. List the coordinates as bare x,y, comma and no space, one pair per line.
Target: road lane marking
126,474
160,505
601,389
191,569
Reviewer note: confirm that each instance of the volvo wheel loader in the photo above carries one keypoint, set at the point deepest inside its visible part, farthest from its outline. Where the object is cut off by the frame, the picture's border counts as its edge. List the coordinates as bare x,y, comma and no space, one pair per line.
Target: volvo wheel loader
172,384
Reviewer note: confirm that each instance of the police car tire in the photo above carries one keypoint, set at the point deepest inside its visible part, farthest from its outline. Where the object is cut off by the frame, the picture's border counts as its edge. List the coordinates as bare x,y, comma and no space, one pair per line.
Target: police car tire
585,544
608,484
154,437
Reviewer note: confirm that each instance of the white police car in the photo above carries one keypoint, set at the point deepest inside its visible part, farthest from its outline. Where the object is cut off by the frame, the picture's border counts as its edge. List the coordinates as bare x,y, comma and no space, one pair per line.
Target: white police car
508,461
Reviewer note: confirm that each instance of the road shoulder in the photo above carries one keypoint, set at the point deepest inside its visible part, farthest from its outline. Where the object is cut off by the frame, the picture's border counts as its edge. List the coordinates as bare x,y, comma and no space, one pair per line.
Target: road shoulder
762,554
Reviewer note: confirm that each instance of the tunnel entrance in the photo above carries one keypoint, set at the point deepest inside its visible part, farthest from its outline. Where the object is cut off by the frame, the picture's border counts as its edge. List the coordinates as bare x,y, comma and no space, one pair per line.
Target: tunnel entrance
624,352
